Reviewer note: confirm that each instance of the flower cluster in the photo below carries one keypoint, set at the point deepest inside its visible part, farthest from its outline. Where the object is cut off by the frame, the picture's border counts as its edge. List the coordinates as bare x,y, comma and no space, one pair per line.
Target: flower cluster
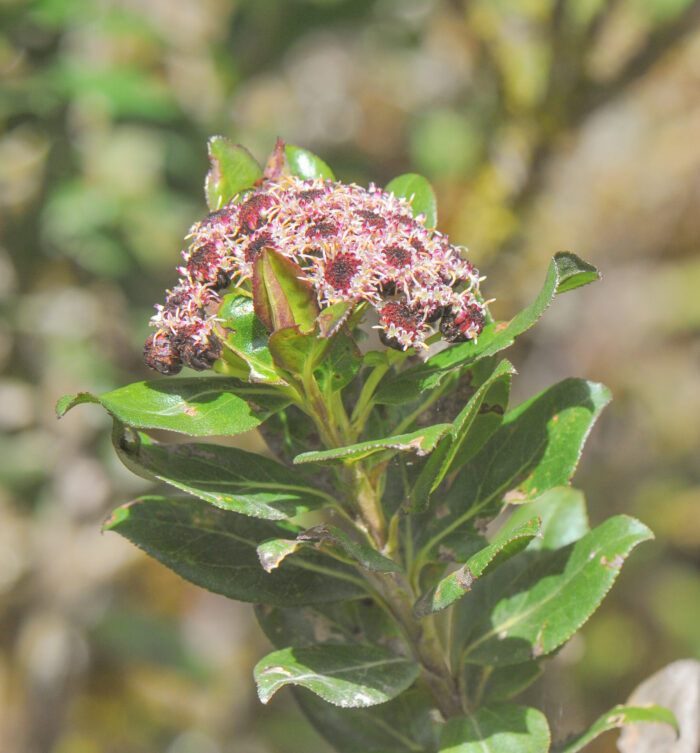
352,244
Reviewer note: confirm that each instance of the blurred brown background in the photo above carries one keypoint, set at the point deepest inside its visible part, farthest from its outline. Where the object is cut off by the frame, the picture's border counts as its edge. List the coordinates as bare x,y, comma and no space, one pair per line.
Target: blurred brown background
544,124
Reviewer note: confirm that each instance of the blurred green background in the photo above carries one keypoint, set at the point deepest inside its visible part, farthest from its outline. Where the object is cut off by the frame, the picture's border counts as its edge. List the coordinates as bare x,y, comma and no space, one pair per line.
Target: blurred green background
544,124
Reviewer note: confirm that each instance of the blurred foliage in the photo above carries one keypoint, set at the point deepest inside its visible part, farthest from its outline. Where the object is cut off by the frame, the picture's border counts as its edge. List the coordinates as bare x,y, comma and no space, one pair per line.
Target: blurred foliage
543,123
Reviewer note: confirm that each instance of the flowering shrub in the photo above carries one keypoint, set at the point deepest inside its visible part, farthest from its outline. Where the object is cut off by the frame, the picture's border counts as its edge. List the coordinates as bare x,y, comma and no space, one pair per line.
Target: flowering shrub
405,606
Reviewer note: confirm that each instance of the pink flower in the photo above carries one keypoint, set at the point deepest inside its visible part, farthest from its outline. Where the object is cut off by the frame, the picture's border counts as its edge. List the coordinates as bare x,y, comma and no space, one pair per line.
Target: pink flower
352,244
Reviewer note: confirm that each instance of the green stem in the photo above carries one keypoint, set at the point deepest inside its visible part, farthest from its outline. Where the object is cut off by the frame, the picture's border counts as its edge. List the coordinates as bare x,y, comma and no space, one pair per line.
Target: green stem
399,598
364,403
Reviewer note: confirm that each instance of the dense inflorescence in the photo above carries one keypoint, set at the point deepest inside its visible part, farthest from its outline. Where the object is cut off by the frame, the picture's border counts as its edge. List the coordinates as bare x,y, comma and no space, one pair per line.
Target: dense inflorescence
352,244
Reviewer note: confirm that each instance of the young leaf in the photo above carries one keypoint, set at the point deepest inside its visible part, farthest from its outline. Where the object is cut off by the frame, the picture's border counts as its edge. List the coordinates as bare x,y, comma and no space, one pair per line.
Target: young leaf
199,406
232,479
537,447
341,362
346,676
566,272
295,352
455,585
421,442
306,165
549,601
416,190
333,317
562,511
500,728
246,337
281,298
233,169
216,550
618,717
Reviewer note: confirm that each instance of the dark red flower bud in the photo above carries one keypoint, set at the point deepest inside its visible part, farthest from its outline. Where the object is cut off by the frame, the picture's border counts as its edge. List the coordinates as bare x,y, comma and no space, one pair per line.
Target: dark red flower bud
161,354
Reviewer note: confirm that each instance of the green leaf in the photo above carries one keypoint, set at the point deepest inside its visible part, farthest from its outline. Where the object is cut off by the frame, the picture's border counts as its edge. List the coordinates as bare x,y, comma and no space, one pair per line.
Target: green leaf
566,272
419,193
295,352
500,728
537,447
246,337
562,511
273,551
354,621
549,600
340,363
564,520
403,725
244,482
333,317
477,406
574,272
618,717
305,165
505,682
365,555
346,676
456,584
233,169
281,297
199,406
421,442
217,550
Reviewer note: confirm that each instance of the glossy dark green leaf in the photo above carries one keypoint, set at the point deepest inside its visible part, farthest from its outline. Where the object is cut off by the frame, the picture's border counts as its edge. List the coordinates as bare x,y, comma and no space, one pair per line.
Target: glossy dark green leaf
403,725
421,442
566,272
347,676
464,421
233,169
550,599
499,728
419,193
457,583
281,297
305,165
504,683
354,621
246,337
537,447
562,511
619,716
229,478
485,389
216,549
199,406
